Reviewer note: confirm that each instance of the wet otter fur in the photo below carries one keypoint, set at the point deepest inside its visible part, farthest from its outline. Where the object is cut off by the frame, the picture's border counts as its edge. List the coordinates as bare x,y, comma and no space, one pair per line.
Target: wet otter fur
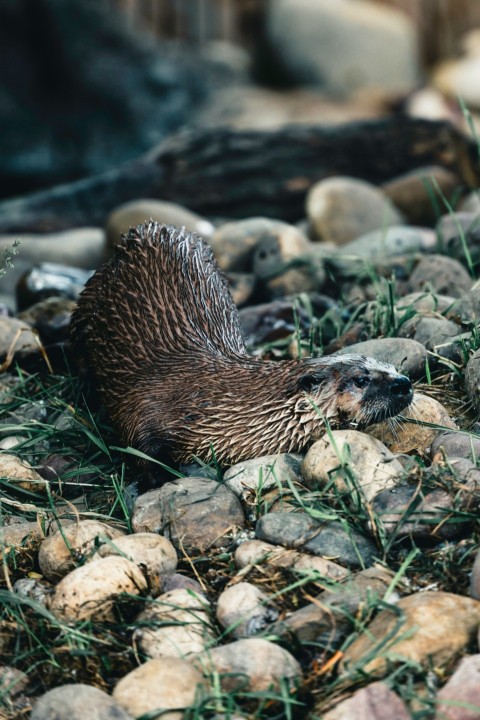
159,329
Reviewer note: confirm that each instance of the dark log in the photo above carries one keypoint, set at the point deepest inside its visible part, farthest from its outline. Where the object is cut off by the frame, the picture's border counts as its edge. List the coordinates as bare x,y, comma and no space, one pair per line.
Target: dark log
229,174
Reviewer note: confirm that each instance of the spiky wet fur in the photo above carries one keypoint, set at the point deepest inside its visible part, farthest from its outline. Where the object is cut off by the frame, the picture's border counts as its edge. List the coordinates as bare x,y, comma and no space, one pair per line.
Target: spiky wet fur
160,330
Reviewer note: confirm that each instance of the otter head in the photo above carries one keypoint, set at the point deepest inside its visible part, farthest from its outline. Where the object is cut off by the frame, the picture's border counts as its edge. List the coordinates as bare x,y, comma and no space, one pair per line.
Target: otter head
355,389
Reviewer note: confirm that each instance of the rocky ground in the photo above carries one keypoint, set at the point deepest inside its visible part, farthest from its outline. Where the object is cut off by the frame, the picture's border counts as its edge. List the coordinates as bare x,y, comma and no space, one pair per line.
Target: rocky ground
341,584
337,585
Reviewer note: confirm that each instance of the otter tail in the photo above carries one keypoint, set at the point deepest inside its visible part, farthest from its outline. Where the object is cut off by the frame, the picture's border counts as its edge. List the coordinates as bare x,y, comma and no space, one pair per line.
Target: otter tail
162,293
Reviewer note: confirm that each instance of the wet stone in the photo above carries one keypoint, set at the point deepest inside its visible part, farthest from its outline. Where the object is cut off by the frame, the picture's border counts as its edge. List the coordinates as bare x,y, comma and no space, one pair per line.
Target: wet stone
50,279
244,610
408,356
194,513
77,702
330,539
341,209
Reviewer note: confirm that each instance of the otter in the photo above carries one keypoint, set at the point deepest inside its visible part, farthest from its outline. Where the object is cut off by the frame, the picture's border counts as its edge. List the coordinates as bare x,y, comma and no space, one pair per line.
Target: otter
158,327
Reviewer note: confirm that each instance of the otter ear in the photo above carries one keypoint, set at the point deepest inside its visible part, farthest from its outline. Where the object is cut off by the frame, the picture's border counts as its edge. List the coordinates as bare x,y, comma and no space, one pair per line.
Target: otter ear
307,382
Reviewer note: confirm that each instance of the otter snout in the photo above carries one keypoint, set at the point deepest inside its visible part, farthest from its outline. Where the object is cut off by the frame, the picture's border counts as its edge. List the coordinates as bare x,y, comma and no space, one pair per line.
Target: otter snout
402,387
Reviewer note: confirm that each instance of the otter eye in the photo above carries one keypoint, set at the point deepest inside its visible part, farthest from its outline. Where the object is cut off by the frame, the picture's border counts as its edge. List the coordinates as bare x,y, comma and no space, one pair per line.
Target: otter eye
360,382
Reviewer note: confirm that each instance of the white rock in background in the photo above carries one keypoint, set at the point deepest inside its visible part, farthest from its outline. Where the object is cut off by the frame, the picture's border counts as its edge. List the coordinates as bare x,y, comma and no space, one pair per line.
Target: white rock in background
345,45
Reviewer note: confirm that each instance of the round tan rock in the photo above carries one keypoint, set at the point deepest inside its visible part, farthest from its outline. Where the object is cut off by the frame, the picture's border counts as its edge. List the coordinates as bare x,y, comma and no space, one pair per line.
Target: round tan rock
165,684
64,549
244,610
91,591
404,436
137,212
154,553
333,459
233,243
20,474
412,192
441,274
177,623
77,702
341,209
432,629
252,664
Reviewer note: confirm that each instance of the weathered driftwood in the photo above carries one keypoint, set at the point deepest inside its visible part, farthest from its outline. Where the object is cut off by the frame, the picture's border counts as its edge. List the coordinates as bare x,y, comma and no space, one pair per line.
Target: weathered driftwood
225,173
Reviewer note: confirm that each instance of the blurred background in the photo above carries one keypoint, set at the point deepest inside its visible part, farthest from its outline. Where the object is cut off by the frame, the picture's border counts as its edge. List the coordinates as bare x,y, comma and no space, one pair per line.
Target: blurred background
86,85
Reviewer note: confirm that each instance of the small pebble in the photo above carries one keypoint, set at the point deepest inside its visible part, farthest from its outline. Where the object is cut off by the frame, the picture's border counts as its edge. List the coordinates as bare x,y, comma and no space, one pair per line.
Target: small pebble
412,192
17,340
244,610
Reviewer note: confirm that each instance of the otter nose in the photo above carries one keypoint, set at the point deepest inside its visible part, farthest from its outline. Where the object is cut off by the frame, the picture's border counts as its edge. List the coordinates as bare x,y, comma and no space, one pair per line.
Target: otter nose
401,386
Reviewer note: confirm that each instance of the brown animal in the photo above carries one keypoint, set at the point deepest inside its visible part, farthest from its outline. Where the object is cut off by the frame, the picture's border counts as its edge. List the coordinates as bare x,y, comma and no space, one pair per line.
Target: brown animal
159,329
